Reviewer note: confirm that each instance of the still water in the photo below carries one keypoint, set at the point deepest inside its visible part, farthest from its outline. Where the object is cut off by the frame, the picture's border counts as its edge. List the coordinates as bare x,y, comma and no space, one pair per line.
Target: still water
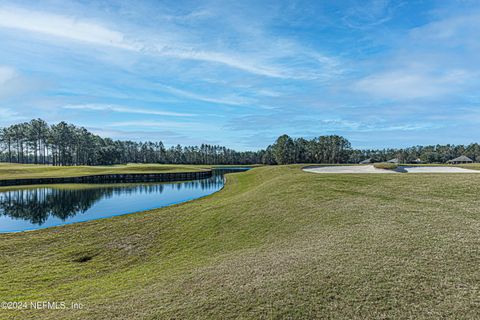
46,206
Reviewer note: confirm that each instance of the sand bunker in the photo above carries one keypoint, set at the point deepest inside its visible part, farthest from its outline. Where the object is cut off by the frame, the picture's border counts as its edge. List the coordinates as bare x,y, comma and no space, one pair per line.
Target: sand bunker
401,169
347,169
438,170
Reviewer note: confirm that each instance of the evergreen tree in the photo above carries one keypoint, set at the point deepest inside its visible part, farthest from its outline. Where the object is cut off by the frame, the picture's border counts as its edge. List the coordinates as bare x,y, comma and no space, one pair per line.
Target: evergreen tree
284,150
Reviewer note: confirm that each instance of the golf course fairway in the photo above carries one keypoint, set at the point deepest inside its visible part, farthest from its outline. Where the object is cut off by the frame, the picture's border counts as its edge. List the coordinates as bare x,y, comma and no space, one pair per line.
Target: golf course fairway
276,242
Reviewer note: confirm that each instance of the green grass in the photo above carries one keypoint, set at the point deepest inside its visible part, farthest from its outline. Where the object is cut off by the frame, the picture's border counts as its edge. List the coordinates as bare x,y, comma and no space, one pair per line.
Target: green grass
18,171
275,243
385,165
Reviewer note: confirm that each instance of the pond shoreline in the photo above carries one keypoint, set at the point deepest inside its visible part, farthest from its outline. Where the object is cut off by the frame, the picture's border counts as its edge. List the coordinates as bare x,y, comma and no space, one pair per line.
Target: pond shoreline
45,206
112,178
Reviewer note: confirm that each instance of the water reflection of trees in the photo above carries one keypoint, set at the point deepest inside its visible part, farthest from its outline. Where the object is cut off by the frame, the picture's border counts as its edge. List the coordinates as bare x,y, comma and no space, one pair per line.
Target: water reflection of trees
36,205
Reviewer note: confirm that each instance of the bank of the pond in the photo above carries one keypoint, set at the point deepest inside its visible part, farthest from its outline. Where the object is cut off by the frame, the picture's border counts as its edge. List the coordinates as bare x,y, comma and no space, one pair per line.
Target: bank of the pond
112,178
43,206
29,171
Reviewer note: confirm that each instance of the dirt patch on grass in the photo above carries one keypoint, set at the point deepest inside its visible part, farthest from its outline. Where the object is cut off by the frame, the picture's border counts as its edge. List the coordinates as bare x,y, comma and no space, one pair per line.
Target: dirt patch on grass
83,257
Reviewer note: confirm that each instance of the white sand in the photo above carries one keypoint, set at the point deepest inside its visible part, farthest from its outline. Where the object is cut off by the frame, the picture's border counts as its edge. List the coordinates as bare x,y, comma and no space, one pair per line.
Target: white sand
347,169
372,169
438,170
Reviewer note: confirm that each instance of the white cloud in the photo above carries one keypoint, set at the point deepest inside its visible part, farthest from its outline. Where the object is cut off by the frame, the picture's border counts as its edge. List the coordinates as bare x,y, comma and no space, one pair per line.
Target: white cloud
8,116
12,83
62,26
91,32
7,113
6,74
152,124
123,109
433,61
233,100
270,60
370,14
411,84
452,31
243,63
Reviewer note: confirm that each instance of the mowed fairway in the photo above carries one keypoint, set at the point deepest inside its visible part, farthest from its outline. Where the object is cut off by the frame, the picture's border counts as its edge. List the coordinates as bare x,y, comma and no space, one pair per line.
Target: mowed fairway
276,242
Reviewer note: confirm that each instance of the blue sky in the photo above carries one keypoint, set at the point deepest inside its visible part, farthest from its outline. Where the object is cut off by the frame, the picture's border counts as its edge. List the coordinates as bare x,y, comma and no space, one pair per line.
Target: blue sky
240,73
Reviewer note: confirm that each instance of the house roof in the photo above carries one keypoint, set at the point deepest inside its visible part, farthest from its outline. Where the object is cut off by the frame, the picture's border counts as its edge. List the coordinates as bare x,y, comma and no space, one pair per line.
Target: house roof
395,160
462,159
369,160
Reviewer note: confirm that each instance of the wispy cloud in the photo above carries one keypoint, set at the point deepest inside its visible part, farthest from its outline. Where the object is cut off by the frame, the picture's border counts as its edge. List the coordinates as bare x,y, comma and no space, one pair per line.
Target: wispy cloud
153,124
123,109
62,26
450,32
413,83
231,100
292,122
12,83
168,137
369,14
7,115
431,62
95,33
6,74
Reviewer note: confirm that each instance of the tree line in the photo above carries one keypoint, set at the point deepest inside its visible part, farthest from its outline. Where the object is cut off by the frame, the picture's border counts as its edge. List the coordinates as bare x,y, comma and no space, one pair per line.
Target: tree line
323,149
427,154
337,149
66,144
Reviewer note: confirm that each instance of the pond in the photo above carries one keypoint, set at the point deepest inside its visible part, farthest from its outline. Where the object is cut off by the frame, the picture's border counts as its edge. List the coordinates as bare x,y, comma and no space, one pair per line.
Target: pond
30,208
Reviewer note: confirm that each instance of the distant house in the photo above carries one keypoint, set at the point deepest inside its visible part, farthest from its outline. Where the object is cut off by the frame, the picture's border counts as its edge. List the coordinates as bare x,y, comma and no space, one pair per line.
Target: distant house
367,161
416,161
394,160
461,159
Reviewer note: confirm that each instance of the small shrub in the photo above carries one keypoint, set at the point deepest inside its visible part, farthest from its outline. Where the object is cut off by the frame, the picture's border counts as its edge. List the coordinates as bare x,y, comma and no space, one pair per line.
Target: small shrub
385,165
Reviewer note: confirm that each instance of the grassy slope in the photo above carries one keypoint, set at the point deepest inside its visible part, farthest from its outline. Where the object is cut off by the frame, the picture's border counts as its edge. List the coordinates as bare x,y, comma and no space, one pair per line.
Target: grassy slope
18,171
276,242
